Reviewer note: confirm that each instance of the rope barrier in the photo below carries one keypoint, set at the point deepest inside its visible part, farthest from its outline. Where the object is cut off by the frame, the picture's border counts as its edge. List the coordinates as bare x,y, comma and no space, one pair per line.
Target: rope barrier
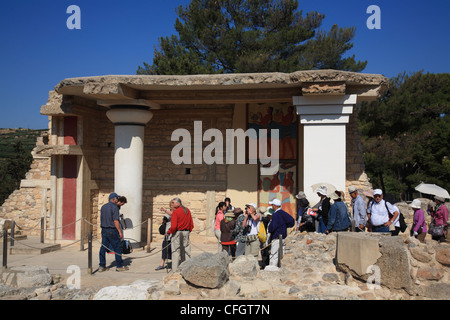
109,249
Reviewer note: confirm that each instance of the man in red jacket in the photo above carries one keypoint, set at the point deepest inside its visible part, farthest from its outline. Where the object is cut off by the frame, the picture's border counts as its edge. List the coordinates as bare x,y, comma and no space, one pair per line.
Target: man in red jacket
181,223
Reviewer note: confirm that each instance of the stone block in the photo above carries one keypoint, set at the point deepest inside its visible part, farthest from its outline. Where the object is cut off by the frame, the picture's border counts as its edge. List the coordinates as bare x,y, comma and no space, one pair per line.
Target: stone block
244,266
385,255
27,277
356,252
430,273
420,255
443,255
206,270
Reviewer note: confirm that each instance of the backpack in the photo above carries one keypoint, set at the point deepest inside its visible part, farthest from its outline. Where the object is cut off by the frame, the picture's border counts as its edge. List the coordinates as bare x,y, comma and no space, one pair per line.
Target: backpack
262,234
403,224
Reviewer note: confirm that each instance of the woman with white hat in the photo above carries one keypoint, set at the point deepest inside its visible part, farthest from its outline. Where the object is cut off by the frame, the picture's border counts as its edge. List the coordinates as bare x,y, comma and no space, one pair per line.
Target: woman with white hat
322,209
419,228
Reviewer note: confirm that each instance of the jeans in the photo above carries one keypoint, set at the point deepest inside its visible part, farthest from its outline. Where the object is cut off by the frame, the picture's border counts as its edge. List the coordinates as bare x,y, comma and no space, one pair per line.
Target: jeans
321,227
381,228
111,240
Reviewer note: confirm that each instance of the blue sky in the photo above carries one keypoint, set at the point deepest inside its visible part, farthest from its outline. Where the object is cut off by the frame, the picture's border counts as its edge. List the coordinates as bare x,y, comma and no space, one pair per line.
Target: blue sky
38,50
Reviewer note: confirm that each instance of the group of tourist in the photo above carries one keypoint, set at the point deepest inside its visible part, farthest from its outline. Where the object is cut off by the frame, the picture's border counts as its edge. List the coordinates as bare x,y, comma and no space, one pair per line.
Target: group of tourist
372,215
254,230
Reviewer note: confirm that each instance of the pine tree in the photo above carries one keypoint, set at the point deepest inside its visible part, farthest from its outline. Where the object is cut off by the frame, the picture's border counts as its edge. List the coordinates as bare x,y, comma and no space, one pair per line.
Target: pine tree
240,36
406,134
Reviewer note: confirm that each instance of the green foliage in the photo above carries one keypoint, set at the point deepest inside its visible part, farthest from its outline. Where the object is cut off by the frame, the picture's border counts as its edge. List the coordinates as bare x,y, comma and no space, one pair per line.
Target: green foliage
406,134
226,36
15,158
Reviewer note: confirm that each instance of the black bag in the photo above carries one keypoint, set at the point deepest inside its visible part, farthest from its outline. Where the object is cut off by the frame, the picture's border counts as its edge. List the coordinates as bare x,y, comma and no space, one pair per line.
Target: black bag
403,224
162,229
126,247
122,222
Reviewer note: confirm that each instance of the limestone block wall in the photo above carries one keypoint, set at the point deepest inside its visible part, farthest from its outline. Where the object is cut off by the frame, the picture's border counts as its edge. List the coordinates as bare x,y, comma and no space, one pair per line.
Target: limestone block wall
356,175
27,204
163,180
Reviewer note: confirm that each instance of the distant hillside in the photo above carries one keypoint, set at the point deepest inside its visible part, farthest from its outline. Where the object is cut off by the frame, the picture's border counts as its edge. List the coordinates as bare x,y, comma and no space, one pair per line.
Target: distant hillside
8,137
15,157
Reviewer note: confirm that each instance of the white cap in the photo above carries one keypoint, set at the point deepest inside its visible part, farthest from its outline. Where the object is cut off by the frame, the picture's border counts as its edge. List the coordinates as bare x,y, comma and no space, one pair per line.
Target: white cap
253,205
416,204
377,191
275,202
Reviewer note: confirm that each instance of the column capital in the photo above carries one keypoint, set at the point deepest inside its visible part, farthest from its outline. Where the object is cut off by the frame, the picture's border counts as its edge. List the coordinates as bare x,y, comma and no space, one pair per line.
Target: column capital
129,115
325,109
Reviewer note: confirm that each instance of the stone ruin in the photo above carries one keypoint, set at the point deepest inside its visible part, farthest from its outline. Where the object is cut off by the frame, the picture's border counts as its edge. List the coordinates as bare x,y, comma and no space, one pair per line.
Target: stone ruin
339,266
314,267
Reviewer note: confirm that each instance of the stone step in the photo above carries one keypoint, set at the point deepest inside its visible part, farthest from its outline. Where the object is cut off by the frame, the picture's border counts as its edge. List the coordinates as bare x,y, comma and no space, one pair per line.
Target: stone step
32,246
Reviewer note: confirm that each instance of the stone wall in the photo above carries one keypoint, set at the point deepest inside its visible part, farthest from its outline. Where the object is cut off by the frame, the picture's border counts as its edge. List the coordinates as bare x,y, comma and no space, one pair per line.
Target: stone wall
309,272
401,264
356,175
26,205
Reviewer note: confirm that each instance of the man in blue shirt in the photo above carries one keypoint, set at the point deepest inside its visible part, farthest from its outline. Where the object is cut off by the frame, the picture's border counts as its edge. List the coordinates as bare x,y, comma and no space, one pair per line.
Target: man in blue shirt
281,220
111,233
359,209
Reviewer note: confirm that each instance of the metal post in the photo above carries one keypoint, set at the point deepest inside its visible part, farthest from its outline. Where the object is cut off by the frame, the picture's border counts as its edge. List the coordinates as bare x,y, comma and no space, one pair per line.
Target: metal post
149,234
182,249
81,235
280,249
353,225
13,230
90,252
5,249
42,229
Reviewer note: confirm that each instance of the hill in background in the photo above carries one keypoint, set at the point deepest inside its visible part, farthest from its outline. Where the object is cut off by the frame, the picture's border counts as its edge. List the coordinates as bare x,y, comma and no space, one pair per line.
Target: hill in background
15,157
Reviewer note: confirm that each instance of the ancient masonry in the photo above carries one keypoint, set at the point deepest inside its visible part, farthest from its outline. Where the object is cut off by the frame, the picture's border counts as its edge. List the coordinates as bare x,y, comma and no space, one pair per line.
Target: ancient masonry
77,156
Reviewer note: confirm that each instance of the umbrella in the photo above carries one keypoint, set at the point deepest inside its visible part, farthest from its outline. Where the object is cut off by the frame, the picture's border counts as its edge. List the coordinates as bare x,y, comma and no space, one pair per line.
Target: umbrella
330,188
432,189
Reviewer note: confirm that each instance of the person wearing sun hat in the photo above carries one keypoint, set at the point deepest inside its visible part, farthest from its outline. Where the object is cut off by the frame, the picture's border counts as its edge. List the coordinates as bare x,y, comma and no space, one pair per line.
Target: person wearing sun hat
359,209
227,225
338,219
419,228
281,221
322,209
251,222
238,232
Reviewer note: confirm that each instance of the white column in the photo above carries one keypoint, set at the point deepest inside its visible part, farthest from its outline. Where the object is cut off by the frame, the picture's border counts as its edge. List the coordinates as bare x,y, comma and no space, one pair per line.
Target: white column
324,155
129,124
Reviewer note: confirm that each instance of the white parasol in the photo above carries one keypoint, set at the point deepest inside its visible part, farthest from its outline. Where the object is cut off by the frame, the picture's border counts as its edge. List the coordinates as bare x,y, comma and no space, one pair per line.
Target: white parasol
433,190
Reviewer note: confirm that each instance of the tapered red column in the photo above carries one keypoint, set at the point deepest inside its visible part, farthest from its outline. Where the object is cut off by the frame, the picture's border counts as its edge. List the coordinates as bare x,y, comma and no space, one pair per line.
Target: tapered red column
130,122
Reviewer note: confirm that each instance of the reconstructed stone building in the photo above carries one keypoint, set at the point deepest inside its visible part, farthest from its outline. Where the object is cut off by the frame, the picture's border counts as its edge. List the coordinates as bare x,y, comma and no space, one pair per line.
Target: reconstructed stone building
117,133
